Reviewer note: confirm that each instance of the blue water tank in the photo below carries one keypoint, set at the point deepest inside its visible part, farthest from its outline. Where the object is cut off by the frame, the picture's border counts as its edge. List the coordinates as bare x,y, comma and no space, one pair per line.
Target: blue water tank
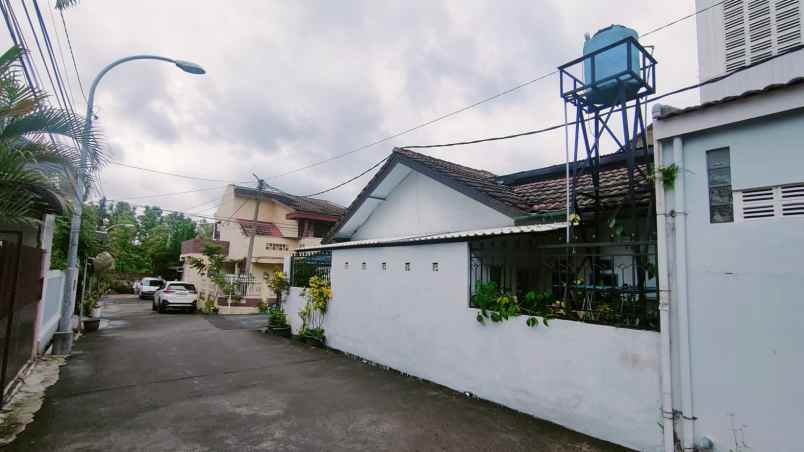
609,63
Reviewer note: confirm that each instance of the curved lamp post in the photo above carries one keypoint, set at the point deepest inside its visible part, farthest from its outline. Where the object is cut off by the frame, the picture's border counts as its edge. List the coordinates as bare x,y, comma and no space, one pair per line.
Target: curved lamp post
63,338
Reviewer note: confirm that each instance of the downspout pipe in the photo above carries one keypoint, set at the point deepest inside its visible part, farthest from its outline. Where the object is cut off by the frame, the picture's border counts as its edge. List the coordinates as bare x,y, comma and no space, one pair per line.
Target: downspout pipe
662,218
681,298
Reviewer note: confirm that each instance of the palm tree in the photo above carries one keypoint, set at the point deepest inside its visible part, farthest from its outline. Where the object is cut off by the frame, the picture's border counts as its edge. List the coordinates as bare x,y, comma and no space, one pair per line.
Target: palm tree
39,153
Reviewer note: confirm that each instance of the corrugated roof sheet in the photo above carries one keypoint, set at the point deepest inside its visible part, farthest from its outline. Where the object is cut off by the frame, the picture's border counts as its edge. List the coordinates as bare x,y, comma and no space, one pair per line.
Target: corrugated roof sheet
441,237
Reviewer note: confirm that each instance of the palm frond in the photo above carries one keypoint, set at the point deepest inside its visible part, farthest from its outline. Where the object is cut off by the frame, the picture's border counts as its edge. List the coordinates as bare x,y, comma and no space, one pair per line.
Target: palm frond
64,4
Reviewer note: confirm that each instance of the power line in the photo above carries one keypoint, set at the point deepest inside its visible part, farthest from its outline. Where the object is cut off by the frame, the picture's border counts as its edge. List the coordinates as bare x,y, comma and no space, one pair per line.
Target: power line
167,173
69,87
681,19
163,195
49,47
470,106
406,131
414,128
564,124
72,55
349,180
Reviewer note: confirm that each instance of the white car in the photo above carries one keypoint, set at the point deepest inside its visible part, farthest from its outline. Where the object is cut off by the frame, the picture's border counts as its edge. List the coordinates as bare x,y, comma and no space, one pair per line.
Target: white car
176,294
148,287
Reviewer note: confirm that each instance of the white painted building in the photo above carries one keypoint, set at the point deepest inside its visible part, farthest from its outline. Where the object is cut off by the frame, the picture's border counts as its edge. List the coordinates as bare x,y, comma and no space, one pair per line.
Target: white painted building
735,34
734,241
404,260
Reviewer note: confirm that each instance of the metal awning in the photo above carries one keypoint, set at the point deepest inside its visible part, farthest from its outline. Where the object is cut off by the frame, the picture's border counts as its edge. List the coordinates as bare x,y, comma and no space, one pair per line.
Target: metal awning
441,237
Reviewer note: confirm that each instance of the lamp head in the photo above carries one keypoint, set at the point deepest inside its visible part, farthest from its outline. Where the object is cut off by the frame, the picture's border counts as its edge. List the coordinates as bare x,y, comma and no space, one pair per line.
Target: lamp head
190,67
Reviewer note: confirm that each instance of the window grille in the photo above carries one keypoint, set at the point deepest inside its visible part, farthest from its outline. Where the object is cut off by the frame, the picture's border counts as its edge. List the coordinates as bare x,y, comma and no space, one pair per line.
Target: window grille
718,168
306,264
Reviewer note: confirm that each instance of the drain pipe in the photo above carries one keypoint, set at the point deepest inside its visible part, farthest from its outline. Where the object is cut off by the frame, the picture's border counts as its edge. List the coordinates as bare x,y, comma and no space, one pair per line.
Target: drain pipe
664,295
681,297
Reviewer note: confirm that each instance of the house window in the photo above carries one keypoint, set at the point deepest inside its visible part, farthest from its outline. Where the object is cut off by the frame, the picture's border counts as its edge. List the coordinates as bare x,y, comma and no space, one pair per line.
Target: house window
407,266
435,266
384,266
363,266
346,265
718,169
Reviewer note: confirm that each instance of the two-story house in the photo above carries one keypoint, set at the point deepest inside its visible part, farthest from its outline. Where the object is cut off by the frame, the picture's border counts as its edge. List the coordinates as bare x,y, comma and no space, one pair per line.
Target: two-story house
284,223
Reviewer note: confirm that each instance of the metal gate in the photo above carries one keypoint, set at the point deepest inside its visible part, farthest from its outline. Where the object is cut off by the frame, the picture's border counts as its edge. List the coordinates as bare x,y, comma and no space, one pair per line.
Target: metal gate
20,290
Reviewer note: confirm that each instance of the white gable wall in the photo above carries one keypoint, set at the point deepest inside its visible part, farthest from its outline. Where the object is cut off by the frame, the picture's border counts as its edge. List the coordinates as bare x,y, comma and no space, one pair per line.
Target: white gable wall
422,205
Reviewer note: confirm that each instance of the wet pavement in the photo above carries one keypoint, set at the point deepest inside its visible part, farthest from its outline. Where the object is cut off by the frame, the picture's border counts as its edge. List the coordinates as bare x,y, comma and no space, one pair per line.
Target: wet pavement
184,382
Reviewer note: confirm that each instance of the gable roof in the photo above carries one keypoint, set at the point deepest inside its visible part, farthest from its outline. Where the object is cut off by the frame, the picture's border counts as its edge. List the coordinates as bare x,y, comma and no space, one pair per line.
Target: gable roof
515,195
298,203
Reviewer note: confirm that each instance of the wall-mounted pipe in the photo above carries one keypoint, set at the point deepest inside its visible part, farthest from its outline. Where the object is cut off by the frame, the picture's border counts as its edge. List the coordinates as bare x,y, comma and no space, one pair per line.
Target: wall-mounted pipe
664,299
681,298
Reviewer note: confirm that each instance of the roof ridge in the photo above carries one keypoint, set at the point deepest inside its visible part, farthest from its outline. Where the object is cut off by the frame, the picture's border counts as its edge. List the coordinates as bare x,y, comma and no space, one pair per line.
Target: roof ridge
420,156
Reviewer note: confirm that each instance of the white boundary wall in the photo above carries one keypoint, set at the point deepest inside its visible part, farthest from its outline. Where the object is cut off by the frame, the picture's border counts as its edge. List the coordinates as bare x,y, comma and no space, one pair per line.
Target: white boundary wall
598,380
50,309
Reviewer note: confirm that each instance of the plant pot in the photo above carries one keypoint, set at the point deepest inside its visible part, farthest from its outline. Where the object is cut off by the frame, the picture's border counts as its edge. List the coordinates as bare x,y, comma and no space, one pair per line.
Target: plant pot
314,341
96,313
283,331
91,325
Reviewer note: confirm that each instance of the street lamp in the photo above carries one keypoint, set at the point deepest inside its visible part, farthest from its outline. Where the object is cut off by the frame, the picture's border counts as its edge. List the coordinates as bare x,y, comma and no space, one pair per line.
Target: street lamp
63,338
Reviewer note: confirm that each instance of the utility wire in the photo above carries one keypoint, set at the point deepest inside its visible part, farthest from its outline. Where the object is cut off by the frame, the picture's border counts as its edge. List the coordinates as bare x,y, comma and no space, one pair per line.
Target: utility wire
349,180
681,19
72,56
563,124
470,106
184,176
422,125
417,127
69,86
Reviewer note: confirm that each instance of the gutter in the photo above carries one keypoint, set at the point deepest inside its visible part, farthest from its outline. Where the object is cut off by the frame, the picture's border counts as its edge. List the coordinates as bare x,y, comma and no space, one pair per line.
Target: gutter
682,298
662,218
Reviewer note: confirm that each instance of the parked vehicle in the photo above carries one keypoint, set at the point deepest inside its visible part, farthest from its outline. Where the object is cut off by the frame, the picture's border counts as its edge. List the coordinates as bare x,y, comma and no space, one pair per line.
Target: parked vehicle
149,286
176,294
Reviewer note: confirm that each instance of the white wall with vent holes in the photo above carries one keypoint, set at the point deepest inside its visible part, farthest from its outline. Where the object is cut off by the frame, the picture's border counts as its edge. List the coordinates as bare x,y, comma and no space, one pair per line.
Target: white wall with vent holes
746,286
599,380
738,33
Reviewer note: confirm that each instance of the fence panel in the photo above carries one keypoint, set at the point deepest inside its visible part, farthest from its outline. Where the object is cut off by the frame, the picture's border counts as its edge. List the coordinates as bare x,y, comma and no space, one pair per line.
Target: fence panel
51,309
306,264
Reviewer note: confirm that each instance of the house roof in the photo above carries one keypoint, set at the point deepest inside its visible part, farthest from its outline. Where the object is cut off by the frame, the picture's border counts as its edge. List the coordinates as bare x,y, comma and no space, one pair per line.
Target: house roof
443,237
264,228
515,195
298,203
666,111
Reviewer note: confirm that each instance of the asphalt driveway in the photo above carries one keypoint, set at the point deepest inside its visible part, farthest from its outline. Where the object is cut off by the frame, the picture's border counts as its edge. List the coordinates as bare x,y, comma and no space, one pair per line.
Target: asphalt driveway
182,382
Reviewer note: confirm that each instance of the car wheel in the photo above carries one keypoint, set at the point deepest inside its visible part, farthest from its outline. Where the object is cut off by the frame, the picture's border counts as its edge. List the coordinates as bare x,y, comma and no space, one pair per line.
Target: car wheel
160,308
153,306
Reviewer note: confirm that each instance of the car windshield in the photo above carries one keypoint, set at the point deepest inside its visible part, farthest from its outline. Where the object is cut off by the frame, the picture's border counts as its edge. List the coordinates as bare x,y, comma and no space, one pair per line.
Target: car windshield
183,286
153,283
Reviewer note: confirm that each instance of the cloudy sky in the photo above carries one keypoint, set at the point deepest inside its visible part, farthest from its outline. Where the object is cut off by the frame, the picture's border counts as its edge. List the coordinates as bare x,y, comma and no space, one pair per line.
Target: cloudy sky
291,83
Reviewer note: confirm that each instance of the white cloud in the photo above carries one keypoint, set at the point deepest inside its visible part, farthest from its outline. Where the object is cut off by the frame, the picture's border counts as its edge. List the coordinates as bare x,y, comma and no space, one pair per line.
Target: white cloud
290,83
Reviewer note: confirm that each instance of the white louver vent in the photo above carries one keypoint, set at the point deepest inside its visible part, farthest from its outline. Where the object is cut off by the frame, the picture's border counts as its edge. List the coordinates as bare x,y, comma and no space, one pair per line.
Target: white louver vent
756,30
781,201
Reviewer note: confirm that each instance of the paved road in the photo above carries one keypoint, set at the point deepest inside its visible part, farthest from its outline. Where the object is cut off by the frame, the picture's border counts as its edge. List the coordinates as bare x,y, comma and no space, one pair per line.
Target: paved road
181,382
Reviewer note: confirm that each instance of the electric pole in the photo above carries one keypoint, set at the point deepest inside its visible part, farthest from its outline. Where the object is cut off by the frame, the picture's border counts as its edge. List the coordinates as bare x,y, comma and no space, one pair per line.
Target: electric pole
260,188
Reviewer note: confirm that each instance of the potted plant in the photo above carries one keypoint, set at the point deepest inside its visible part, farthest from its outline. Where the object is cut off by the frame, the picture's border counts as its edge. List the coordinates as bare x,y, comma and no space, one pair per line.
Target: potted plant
318,293
91,323
277,321
279,284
